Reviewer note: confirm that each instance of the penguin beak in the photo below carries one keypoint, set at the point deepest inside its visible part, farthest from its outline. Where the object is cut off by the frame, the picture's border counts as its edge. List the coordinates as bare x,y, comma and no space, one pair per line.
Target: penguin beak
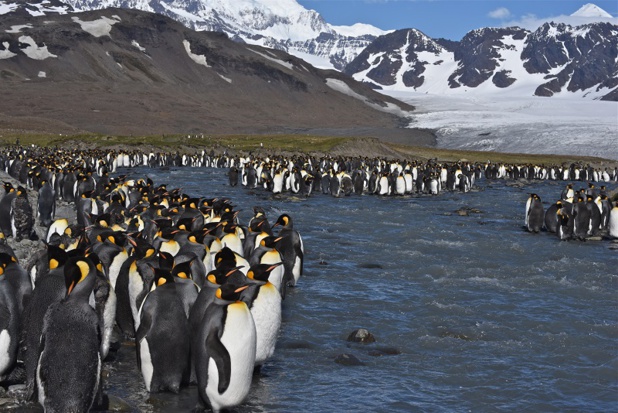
233,270
70,288
244,287
272,267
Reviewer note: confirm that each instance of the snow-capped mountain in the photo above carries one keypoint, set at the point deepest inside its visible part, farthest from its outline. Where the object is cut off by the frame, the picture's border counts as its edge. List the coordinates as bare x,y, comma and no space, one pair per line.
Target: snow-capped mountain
278,24
556,59
591,10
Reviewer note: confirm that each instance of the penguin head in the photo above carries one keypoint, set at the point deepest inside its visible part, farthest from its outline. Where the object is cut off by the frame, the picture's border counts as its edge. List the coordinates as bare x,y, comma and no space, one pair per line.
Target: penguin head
5,260
166,261
225,255
161,277
21,192
183,270
222,274
79,276
230,291
284,220
8,187
270,241
261,272
56,256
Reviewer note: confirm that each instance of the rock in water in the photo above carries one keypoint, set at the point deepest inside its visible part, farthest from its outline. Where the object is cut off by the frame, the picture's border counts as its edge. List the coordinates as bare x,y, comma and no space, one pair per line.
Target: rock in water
361,336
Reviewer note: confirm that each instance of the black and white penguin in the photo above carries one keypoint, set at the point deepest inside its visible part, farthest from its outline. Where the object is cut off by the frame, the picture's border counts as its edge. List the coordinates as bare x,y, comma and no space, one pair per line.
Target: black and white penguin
6,222
10,322
225,360
581,219
59,226
46,204
69,366
265,306
565,222
49,289
535,214
18,277
613,221
291,248
162,337
551,219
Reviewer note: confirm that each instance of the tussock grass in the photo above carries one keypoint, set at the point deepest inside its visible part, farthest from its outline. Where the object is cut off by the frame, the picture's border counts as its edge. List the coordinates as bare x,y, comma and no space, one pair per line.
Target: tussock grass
288,143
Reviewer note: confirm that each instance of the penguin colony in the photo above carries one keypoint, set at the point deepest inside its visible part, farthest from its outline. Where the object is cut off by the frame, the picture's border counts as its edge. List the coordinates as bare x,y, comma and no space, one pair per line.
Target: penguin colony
346,176
199,293
582,214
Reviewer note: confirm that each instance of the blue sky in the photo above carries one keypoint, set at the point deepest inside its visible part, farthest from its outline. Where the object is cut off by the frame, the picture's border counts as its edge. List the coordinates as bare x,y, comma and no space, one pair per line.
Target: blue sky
450,19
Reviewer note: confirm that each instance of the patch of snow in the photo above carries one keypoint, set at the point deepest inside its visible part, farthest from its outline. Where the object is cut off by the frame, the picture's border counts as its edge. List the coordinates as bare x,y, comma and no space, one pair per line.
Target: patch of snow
278,61
97,28
7,8
18,28
315,61
342,87
563,124
199,59
227,79
42,74
33,51
136,44
359,29
6,53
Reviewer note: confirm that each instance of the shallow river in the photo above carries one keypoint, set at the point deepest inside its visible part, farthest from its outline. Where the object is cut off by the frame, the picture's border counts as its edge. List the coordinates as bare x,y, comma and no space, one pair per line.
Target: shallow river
470,313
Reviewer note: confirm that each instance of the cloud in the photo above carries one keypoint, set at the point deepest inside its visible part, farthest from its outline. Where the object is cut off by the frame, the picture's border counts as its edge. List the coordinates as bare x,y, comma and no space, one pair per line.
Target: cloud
500,13
532,22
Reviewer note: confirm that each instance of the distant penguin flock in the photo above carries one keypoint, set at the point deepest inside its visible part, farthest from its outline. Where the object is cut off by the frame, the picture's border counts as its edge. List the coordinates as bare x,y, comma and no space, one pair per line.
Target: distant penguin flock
345,176
583,214
200,293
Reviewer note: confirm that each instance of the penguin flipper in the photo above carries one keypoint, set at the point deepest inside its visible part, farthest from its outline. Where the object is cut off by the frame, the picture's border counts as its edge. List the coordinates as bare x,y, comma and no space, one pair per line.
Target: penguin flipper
221,357
142,332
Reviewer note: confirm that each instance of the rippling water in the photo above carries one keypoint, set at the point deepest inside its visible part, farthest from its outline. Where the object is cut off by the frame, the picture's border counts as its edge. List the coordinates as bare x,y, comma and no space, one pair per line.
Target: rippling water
481,315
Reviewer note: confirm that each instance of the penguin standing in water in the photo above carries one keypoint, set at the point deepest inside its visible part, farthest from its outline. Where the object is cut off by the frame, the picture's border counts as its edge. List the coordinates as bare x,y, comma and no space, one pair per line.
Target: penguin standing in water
551,219
613,221
581,216
233,176
46,204
225,359
291,248
162,337
265,306
69,365
565,223
535,214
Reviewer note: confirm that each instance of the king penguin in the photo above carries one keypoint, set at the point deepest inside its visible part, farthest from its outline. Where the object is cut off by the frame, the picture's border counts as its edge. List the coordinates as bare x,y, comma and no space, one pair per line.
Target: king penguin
265,306
291,248
613,221
9,326
46,204
69,365
535,214
226,354
162,337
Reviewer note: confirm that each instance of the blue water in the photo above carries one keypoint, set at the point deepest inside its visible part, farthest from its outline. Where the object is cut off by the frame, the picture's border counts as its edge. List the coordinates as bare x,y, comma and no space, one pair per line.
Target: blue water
481,315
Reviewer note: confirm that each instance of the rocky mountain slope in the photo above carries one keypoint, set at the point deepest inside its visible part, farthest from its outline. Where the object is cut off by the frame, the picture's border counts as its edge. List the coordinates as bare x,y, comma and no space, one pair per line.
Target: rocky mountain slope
556,59
278,24
123,71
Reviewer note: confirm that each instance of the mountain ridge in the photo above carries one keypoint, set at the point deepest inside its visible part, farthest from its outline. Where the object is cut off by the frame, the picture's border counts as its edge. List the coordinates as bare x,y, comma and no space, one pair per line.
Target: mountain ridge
119,71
